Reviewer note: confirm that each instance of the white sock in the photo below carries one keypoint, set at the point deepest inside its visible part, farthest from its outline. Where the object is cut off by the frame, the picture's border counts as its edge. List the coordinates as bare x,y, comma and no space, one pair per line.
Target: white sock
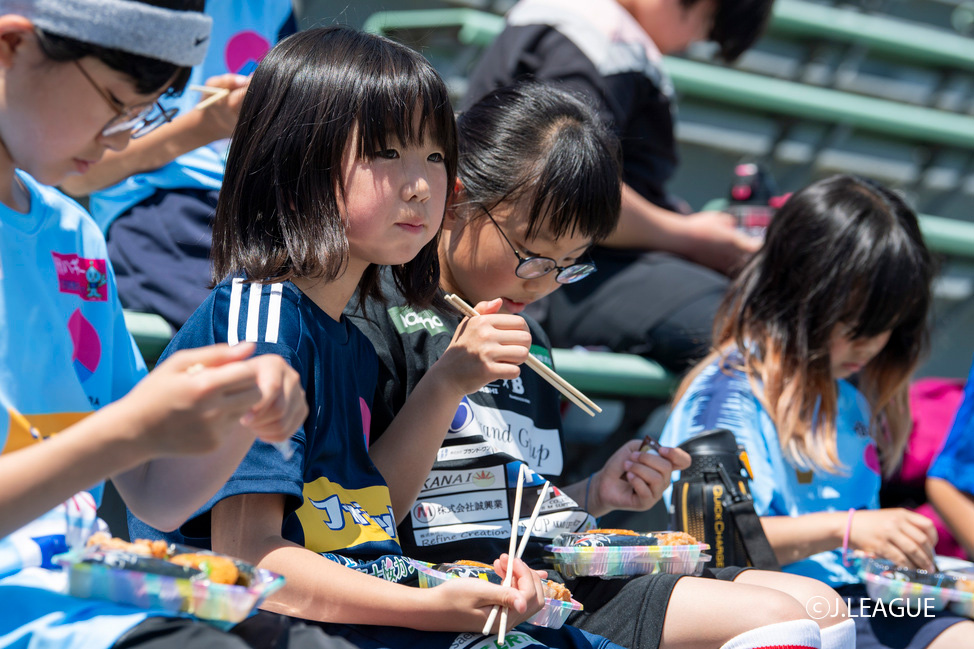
840,636
797,634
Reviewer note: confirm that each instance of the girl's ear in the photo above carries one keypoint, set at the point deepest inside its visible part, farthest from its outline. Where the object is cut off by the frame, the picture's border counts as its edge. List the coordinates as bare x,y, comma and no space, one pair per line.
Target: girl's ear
454,208
14,30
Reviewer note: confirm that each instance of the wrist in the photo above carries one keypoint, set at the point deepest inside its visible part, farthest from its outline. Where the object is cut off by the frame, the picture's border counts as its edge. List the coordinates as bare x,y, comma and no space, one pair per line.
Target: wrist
442,385
122,432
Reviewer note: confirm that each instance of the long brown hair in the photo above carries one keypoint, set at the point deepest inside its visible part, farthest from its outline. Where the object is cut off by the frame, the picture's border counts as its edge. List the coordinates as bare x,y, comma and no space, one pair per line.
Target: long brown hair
844,251
277,216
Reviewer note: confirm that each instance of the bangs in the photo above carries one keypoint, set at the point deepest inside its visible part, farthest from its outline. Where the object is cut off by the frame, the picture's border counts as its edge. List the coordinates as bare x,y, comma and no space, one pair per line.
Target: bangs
562,203
894,293
403,102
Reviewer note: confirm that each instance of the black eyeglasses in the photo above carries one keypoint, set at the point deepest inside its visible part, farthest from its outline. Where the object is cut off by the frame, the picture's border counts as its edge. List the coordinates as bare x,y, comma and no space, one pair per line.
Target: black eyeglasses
135,120
535,267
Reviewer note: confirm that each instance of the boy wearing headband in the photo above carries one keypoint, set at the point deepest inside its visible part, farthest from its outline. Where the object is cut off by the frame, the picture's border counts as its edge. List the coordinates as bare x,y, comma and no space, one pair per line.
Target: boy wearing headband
78,77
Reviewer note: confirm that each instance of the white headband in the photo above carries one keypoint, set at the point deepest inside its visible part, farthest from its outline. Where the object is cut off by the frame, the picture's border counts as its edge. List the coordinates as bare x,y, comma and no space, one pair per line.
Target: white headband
177,37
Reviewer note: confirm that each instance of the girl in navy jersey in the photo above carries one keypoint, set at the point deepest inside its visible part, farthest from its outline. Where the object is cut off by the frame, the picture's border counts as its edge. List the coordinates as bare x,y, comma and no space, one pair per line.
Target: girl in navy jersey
341,164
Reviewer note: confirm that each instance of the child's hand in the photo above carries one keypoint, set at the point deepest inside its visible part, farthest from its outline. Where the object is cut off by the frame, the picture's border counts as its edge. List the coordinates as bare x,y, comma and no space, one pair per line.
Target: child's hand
465,604
220,117
904,537
632,480
486,348
190,403
282,407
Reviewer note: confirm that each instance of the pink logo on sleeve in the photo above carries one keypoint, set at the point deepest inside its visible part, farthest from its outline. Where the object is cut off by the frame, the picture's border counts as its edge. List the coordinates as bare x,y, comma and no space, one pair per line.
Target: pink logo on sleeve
86,278
366,419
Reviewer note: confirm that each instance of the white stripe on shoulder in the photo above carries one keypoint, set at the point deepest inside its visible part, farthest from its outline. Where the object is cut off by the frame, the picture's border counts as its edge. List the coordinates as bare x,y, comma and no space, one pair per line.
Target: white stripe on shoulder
233,322
253,311
274,313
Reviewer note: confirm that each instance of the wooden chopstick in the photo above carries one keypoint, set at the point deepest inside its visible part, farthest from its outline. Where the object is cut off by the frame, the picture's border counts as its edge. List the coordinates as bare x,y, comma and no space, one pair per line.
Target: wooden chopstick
534,517
216,94
571,392
510,557
521,546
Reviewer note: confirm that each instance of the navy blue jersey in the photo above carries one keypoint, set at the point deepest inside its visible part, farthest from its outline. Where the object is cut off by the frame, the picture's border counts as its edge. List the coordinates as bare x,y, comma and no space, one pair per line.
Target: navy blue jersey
337,502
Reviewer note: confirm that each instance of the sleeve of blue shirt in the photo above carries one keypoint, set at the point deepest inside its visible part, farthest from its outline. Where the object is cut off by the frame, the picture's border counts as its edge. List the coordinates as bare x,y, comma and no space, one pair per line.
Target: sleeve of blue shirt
717,400
264,469
955,461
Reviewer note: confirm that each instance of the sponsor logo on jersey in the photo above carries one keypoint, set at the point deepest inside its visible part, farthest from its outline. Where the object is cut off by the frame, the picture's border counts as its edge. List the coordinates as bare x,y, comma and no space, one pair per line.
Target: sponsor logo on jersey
462,418
334,518
86,278
469,507
406,320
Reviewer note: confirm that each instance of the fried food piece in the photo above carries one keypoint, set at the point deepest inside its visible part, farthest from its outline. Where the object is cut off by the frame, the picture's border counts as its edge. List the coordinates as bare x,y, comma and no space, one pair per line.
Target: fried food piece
608,530
219,570
676,538
475,564
554,590
965,585
141,547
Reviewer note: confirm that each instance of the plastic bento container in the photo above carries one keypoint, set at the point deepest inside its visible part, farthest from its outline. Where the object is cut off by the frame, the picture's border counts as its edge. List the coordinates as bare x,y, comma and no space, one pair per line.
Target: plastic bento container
586,554
892,585
115,576
552,616
962,602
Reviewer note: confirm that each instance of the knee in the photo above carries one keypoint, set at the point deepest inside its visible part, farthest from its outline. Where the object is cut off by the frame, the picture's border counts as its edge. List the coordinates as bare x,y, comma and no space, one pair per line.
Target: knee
776,606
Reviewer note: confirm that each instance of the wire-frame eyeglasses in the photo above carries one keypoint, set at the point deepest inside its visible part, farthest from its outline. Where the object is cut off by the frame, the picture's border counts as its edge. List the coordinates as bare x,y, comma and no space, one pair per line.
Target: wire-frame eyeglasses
535,267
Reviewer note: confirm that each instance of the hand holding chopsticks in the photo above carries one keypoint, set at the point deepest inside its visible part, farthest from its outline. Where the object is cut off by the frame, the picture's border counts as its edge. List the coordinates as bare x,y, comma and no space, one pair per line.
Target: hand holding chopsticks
545,372
511,555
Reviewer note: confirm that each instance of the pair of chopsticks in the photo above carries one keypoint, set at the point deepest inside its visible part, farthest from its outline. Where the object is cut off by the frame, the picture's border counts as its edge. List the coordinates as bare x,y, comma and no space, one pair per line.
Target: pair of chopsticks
545,372
216,94
515,519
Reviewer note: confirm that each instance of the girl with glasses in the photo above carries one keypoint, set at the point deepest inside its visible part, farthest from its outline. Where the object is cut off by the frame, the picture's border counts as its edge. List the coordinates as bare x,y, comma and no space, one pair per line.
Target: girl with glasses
537,184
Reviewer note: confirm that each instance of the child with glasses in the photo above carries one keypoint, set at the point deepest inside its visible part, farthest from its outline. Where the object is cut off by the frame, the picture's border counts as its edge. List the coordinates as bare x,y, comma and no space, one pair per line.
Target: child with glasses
537,185
155,200
78,77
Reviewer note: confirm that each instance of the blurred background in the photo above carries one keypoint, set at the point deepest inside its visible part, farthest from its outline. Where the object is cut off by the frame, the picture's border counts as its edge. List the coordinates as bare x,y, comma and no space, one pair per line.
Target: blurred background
883,88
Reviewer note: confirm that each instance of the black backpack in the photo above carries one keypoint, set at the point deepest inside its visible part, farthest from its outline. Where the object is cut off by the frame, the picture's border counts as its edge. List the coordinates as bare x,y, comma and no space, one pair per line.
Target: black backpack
711,502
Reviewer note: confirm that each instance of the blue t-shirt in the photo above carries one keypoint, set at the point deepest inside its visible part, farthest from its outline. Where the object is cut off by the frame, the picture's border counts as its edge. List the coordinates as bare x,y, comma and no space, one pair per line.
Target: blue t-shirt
65,352
337,502
723,398
955,461
243,32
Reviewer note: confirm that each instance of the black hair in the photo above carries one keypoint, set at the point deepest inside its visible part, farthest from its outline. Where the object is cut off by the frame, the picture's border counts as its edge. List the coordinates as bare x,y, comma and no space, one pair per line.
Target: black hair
534,141
737,24
278,214
149,74
844,251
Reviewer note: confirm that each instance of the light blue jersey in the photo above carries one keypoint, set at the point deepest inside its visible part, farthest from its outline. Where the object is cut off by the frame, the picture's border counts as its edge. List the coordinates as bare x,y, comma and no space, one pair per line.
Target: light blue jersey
724,398
243,32
64,352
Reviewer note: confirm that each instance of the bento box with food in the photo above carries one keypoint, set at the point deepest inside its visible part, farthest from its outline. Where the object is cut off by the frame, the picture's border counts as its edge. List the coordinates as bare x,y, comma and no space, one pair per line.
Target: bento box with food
176,578
611,553
906,588
558,599
962,602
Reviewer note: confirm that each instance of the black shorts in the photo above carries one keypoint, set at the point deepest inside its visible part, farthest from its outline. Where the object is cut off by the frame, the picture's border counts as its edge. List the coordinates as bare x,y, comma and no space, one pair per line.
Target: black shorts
630,612
261,631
